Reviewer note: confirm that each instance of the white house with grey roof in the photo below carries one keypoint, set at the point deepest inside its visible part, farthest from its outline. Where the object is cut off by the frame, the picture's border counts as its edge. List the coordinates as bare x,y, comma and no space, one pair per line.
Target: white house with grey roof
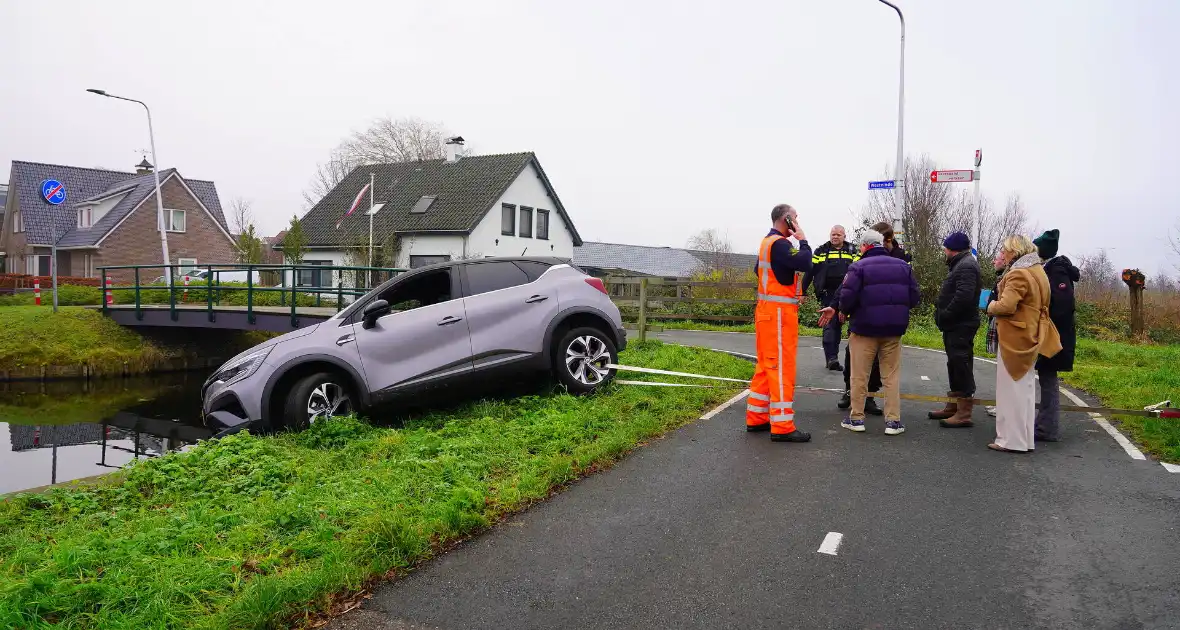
447,209
109,218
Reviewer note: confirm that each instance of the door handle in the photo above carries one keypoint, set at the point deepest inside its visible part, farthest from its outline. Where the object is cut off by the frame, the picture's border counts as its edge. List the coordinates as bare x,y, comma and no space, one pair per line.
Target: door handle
536,298
345,339
449,319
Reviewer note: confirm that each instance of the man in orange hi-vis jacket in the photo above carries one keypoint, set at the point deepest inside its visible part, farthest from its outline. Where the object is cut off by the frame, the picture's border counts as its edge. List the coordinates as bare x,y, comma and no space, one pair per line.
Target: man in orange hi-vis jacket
771,405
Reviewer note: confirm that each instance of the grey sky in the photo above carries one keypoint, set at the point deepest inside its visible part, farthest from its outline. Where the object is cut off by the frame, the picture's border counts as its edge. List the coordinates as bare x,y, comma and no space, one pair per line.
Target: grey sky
653,119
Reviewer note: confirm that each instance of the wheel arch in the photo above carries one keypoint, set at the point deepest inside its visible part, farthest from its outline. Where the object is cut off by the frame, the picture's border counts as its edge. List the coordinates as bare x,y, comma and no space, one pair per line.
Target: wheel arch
576,317
282,379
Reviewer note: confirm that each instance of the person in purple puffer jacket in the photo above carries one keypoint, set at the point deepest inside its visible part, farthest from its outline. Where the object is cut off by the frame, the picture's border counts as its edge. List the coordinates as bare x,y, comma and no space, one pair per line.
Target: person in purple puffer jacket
877,295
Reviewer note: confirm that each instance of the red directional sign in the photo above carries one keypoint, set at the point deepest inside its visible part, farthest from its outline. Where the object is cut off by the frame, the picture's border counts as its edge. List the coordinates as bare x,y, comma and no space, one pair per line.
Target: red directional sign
943,177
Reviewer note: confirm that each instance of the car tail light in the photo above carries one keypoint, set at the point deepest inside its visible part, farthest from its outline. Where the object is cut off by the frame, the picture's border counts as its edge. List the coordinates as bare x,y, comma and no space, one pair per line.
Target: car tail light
597,284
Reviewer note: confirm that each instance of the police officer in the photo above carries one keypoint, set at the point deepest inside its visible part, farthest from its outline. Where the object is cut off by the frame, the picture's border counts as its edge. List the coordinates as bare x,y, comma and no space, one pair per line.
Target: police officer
829,263
771,403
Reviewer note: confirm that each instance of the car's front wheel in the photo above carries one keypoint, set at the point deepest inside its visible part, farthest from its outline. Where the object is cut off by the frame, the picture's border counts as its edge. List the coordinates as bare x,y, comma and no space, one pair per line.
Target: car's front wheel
314,398
581,357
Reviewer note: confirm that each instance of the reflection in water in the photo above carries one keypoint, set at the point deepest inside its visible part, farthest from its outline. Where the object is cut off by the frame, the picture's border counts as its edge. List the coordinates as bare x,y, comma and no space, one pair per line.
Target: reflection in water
60,431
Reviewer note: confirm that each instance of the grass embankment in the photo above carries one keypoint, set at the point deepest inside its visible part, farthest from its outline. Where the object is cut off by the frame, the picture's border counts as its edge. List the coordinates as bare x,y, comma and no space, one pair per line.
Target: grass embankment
250,532
35,335
1119,374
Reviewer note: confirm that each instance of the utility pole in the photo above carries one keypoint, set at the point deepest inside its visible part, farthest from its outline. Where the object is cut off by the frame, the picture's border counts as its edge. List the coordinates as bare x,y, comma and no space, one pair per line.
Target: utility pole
978,208
899,166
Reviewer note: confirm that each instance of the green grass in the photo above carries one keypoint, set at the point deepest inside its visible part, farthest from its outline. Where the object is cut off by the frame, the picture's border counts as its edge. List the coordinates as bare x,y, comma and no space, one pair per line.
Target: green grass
35,335
250,532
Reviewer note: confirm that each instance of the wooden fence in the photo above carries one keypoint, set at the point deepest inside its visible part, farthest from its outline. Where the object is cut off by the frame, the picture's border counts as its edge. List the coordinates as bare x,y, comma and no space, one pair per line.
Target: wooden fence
651,296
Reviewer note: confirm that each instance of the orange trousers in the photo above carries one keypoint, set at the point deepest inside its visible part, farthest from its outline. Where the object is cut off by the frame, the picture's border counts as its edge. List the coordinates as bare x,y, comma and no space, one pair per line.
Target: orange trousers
772,390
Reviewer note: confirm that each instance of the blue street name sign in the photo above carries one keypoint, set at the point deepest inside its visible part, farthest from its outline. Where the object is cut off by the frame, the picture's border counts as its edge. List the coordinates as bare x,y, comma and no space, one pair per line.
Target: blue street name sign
889,183
53,191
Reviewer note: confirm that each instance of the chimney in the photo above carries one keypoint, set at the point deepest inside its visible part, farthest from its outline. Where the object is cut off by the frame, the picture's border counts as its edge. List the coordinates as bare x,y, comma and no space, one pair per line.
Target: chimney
454,148
144,167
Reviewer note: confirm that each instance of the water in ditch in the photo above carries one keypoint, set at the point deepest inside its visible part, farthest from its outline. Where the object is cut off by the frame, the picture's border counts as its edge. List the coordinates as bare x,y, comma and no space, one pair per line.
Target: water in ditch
60,431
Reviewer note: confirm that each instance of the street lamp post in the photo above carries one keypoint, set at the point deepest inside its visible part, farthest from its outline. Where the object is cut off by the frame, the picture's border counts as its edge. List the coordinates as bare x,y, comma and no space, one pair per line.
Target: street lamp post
155,171
898,169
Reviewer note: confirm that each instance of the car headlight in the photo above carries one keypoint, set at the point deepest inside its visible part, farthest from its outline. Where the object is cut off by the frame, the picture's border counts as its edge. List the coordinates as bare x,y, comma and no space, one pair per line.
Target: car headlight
241,367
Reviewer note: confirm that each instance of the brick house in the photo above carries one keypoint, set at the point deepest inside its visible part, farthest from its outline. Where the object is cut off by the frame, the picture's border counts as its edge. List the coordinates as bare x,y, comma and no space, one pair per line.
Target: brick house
109,218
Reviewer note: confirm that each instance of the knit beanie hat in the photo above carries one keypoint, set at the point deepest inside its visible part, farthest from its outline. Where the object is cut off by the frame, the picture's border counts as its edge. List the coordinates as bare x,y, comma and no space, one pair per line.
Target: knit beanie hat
957,242
1047,244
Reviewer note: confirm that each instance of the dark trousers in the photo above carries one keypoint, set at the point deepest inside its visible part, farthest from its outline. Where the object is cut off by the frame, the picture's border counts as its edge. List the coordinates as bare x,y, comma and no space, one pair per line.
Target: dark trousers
832,333
874,375
1047,424
960,360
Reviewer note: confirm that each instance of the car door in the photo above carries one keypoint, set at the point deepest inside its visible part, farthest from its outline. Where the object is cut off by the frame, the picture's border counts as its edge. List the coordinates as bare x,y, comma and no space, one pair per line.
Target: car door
424,342
508,311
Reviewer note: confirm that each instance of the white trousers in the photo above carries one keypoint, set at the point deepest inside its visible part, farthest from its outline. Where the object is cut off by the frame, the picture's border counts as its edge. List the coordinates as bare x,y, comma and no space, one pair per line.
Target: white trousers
1016,408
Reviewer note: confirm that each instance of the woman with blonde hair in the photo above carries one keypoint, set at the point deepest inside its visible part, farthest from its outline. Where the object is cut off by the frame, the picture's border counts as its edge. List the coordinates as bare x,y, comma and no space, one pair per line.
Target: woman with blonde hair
1025,332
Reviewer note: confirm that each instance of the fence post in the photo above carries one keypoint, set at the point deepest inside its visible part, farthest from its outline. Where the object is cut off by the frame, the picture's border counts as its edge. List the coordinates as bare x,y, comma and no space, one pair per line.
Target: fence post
1135,281
138,310
642,309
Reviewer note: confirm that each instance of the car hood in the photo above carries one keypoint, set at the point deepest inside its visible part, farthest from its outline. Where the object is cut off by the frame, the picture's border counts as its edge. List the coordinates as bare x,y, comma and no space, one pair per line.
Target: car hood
294,334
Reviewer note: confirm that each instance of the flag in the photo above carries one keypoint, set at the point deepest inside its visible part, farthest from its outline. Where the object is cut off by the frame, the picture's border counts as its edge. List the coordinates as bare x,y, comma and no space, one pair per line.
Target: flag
355,202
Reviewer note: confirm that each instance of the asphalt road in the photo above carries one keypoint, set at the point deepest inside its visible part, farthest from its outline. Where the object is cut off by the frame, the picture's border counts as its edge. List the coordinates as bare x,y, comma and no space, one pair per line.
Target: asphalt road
716,528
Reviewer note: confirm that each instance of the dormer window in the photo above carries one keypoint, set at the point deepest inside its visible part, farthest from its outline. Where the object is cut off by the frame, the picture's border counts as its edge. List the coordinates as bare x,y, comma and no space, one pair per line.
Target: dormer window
85,217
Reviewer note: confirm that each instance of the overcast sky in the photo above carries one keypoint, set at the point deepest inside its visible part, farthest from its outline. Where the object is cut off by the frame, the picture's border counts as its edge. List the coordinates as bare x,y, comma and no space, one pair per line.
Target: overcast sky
653,119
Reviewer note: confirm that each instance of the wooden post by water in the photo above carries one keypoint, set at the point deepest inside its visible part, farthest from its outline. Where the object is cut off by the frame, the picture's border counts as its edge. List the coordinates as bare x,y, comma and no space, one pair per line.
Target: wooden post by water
1135,281
642,309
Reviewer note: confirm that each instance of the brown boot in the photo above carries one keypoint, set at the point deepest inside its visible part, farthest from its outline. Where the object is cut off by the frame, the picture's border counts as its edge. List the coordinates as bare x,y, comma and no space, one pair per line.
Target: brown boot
962,418
946,412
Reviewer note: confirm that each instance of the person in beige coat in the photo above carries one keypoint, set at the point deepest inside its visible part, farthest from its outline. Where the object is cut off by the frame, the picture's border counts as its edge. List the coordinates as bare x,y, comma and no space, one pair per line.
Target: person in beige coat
1025,332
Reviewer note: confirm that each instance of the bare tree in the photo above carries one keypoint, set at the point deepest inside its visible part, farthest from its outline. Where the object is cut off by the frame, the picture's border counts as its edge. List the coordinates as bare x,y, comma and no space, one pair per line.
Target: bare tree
241,216
385,141
1099,276
716,248
1174,242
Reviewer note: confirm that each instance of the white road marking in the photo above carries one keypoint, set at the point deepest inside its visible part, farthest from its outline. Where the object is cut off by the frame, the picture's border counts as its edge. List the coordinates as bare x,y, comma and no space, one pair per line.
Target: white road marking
925,378
724,405
1106,426
1172,468
831,543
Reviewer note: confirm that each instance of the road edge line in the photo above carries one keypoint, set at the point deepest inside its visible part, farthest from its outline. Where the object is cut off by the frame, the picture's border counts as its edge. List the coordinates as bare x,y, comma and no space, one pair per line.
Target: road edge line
725,405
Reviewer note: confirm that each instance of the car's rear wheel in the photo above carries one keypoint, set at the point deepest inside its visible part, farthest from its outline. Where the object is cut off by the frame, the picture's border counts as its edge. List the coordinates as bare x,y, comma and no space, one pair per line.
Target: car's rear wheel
580,359
315,398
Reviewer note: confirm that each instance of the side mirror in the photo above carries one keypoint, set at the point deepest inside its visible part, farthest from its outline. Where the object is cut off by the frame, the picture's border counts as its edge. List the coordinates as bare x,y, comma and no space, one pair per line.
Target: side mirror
374,311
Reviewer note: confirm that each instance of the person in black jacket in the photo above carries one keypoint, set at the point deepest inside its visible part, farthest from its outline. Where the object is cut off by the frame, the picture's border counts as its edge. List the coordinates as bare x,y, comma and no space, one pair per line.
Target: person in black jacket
956,313
829,264
1062,275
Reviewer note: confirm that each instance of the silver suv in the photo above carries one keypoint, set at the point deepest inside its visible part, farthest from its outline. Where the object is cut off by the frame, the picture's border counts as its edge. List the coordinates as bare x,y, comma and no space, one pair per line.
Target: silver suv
431,327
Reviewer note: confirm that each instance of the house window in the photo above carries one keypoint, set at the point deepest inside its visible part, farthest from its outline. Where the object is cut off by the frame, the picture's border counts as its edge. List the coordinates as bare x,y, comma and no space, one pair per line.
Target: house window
188,266
85,217
88,265
37,265
314,277
526,222
18,223
422,261
175,220
508,220
543,224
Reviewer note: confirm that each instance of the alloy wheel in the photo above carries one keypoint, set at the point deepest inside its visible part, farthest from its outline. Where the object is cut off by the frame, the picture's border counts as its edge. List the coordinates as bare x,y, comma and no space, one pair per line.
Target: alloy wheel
586,359
327,400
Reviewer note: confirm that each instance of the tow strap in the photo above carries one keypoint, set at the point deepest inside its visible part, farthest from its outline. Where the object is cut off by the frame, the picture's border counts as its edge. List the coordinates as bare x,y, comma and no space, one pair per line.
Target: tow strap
1158,410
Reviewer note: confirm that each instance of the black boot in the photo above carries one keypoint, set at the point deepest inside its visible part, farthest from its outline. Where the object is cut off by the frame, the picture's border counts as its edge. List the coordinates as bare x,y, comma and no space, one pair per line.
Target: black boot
845,400
871,407
794,436
834,365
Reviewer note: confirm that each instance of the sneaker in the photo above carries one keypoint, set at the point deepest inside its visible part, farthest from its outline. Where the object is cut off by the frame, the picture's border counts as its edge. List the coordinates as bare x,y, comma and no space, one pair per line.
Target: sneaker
853,425
871,407
991,410
894,427
845,400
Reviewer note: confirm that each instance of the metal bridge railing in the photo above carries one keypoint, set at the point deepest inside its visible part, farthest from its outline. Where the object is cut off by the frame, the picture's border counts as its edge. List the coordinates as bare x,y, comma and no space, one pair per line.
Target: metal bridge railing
344,281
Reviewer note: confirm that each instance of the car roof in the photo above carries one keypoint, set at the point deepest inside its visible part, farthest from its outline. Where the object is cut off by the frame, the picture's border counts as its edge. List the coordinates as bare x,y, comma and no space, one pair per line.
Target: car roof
548,260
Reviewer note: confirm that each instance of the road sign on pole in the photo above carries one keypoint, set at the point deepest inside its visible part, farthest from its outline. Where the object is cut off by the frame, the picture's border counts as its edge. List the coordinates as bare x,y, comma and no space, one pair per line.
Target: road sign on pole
884,184
978,157
53,192
944,177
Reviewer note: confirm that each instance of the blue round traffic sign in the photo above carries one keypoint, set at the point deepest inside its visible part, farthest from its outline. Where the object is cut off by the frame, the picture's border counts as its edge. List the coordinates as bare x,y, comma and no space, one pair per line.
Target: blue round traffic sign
53,191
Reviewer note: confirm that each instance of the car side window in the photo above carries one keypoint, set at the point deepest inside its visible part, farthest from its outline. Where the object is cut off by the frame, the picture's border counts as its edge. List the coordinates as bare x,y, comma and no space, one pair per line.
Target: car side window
423,289
532,268
493,276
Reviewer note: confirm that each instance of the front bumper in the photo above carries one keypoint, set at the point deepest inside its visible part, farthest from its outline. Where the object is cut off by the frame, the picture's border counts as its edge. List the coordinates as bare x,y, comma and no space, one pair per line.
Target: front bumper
224,411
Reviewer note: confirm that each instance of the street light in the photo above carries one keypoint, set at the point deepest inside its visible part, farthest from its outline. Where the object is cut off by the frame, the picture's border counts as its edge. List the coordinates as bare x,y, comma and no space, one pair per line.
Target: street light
899,193
156,172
